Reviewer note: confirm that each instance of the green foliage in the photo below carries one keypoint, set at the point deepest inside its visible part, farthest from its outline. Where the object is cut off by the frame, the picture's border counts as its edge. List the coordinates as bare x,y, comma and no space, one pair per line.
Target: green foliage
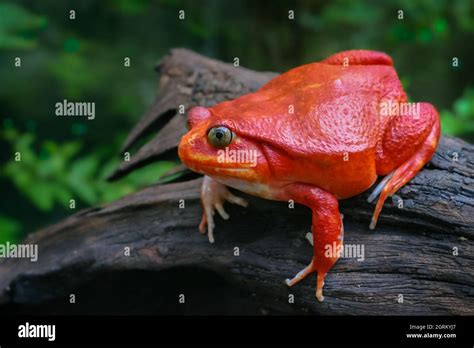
9,230
18,27
56,173
133,7
460,121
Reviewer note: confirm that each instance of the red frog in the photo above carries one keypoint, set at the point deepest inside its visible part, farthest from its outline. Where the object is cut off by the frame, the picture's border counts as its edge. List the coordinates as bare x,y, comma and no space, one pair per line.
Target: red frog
316,134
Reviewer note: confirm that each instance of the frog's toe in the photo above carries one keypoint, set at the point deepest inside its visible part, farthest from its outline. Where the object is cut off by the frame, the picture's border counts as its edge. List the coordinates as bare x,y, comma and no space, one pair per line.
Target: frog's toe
304,273
221,211
309,237
236,200
210,226
203,223
207,220
301,274
210,233
319,288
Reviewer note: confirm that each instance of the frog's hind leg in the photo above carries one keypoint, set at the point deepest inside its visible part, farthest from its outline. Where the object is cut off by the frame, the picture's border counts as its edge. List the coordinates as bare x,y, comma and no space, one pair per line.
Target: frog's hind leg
406,171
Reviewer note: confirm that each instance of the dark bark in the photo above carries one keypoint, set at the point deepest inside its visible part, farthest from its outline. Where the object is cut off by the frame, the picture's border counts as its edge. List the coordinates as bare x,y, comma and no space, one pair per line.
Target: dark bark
410,253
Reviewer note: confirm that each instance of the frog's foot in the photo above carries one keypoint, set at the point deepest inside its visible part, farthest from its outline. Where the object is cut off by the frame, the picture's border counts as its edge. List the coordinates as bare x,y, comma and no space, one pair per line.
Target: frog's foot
213,196
306,271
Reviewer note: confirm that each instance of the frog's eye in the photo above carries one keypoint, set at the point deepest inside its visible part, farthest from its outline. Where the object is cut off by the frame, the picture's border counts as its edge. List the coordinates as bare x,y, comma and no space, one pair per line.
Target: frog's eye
219,136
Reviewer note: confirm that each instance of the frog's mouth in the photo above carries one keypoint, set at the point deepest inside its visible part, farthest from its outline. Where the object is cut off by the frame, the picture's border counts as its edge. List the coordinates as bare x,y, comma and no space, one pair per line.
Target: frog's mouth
247,173
232,170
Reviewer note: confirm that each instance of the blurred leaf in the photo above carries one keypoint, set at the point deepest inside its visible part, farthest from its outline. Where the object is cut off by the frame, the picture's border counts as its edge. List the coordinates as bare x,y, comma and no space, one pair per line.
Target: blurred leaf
42,195
424,35
70,149
62,195
440,25
406,82
83,189
460,121
18,27
131,7
464,11
72,45
8,123
84,167
75,75
350,12
9,230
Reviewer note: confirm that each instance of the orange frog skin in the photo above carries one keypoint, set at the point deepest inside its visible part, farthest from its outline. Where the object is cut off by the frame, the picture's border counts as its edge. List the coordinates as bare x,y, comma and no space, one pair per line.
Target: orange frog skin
316,134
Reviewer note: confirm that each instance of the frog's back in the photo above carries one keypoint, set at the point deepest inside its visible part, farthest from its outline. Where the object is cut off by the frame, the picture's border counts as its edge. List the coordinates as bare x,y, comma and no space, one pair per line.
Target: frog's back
318,110
325,116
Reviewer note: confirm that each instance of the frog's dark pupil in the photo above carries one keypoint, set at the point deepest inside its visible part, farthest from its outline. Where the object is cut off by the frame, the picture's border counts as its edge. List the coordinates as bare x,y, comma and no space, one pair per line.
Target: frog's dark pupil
219,134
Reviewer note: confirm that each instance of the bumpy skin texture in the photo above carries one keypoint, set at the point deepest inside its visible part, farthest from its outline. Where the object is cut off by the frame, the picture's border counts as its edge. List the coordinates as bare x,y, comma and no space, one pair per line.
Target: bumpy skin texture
319,135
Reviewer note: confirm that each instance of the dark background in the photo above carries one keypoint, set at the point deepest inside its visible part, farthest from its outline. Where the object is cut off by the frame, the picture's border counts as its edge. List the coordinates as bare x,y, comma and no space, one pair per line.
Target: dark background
82,60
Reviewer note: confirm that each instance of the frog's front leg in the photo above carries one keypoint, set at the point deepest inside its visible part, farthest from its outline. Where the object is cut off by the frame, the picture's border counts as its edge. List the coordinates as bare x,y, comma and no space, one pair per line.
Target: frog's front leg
327,231
213,196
